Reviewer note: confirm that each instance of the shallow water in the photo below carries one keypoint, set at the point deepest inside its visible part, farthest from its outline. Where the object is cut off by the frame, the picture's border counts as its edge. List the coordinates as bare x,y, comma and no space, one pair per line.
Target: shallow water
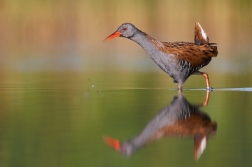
62,119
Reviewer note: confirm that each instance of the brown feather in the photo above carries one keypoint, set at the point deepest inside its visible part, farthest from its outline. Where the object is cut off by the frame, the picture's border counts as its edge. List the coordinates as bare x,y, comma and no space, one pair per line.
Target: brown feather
196,55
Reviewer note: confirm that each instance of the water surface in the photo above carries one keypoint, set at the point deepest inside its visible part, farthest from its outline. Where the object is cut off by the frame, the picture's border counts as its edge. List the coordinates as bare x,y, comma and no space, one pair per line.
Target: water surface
61,119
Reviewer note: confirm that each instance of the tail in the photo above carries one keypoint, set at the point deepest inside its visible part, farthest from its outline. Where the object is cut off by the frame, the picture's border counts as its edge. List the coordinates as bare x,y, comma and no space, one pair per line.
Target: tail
200,37
199,145
114,143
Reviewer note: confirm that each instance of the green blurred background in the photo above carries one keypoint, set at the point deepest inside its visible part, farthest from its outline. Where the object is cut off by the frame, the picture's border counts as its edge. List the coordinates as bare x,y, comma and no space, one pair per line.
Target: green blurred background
46,35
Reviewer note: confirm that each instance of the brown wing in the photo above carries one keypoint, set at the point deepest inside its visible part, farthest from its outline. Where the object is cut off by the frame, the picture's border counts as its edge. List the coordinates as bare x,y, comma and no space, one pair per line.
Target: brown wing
196,55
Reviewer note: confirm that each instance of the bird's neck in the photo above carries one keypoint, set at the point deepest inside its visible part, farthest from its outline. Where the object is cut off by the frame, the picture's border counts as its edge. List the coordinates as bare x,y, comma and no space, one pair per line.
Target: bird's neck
154,49
149,44
166,118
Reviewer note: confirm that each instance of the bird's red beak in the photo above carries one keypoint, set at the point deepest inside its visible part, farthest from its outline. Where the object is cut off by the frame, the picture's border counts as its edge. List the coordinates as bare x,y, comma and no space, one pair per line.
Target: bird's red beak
115,34
114,143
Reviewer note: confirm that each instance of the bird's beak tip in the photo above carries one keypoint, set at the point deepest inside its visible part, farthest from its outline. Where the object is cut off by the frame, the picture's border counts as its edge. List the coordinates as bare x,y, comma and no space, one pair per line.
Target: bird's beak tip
114,35
114,143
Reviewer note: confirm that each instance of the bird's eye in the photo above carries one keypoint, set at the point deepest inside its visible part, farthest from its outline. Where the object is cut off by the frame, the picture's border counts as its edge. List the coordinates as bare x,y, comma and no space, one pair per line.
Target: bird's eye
124,29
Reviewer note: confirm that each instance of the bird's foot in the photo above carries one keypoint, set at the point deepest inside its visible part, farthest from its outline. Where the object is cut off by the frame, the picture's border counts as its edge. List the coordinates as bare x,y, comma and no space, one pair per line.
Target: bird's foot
209,89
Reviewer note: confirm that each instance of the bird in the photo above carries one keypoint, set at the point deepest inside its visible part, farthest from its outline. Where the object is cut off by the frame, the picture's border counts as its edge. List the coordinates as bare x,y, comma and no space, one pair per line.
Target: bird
179,118
178,59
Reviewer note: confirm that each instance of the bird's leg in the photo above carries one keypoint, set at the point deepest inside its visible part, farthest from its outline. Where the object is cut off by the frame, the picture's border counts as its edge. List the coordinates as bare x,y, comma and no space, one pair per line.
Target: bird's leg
180,87
205,103
205,75
180,93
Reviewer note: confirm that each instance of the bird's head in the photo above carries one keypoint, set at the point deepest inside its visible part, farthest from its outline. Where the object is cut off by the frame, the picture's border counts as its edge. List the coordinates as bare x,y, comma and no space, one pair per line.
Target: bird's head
126,30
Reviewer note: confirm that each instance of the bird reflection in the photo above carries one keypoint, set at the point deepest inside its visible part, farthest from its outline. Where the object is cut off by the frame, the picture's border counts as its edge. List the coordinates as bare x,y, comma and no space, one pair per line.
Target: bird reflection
179,118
